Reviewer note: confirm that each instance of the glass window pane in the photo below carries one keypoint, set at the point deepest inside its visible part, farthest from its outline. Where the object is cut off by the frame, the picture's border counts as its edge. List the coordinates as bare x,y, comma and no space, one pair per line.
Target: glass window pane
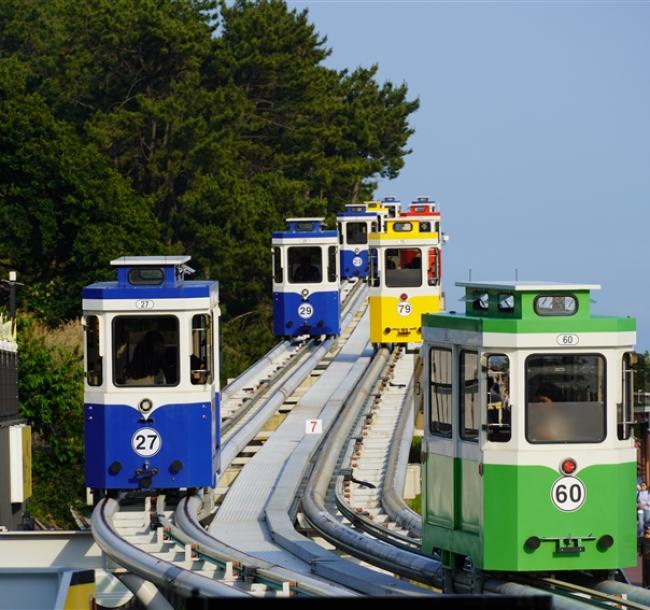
305,264
277,265
506,302
440,392
146,276
145,350
565,398
93,359
356,233
331,264
469,396
624,417
498,398
403,267
373,269
201,357
556,305
433,273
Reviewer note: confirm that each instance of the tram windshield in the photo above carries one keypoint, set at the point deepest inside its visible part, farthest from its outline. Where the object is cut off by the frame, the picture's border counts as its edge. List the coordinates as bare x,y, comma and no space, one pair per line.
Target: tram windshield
356,233
145,350
305,264
565,398
403,267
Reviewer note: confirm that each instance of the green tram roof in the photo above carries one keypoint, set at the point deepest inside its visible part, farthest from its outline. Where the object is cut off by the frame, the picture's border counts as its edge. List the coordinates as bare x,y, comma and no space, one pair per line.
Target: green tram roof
528,307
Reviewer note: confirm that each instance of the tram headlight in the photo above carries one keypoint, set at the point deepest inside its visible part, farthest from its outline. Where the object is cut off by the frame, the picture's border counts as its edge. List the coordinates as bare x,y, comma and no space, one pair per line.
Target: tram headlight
568,466
605,542
145,405
305,293
403,296
533,543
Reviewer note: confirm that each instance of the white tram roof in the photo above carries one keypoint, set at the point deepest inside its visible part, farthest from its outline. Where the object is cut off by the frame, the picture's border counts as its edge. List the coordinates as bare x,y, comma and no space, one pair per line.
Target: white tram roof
125,261
518,286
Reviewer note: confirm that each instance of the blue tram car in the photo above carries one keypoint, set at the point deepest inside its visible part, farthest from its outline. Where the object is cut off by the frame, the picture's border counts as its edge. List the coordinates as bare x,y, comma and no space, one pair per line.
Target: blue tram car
151,389
306,292
354,224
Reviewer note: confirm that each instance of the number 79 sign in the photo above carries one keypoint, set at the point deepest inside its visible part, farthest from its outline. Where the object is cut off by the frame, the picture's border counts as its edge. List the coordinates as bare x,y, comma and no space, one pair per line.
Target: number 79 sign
313,426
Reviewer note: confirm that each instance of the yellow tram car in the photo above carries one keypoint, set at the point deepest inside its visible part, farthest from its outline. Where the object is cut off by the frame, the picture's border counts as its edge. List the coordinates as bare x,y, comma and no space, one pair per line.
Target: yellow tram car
404,278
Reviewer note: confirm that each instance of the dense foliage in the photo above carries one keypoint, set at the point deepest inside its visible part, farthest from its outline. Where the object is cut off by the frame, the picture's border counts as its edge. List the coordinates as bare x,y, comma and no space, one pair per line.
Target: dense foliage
170,126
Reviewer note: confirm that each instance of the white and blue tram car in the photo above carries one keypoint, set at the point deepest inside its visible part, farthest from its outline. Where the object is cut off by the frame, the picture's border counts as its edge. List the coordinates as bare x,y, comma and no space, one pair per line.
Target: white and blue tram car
354,225
306,291
151,390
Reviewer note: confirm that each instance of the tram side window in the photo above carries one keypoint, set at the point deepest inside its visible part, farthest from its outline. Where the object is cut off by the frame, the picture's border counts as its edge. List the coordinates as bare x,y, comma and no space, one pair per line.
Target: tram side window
498,398
469,396
340,228
277,265
331,264
440,422
433,274
145,350
305,264
201,358
403,267
373,269
565,398
625,421
94,363
356,233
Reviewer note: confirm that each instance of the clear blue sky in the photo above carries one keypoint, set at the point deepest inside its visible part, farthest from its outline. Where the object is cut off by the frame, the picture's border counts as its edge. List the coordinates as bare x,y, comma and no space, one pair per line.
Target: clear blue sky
533,134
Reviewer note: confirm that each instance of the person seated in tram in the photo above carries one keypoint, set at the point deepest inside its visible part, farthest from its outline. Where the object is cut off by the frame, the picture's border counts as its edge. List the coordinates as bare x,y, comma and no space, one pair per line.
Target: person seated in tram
306,271
148,362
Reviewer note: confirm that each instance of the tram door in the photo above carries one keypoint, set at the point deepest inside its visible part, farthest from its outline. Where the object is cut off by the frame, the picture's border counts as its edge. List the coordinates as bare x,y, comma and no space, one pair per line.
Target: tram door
467,488
453,491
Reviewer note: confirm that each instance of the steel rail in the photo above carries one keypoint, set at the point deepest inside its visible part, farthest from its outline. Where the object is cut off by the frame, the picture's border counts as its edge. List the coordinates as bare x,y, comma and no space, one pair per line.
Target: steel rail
158,571
399,561
391,500
186,517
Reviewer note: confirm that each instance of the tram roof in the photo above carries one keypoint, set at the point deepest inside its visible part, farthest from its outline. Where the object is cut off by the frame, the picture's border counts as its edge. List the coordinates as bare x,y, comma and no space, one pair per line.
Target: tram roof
528,286
159,261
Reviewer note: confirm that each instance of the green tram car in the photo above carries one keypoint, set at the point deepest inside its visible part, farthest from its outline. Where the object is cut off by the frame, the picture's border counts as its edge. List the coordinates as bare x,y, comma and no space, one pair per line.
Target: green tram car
529,462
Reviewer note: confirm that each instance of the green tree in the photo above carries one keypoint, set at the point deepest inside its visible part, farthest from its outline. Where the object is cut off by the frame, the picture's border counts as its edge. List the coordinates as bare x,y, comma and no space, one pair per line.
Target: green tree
64,212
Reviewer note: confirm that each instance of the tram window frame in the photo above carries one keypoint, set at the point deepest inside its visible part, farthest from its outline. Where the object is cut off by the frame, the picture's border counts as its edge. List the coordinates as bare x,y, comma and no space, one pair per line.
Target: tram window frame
373,267
332,258
506,302
340,230
554,388
499,431
441,426
123,321
433,272
543,311
138,276
474,404
202,341
278,272
352,238
294,256
94,359
396,277
402,227
625,409
481,301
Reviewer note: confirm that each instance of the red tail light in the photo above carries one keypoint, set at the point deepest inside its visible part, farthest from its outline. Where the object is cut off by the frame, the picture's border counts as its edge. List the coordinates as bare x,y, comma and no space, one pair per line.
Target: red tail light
568,466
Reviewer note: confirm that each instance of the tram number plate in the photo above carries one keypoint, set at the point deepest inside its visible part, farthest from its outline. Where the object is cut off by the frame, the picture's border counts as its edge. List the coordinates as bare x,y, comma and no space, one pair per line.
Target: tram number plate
313,426
568,494
357,261
567,340
305,311
404,309
146,442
